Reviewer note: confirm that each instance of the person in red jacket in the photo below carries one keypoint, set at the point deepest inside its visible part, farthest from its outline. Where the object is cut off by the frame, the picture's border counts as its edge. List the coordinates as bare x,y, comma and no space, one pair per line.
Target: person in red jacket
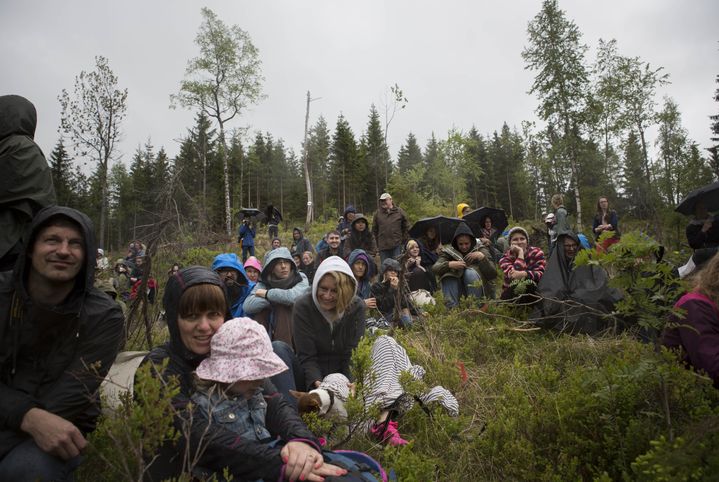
521,262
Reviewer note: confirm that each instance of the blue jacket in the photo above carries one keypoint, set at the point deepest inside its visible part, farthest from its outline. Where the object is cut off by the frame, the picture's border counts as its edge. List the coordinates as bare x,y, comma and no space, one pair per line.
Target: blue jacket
230,260
247,234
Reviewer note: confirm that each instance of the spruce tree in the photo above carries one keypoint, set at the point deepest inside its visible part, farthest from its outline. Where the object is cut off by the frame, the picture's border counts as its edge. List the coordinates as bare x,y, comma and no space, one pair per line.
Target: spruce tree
409,155
61,166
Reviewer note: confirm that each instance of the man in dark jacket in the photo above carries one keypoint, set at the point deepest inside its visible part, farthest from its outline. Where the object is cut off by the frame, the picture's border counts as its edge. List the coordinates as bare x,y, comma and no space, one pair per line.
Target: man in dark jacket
58,338
26,181
390,228
300,244
464,264
332,249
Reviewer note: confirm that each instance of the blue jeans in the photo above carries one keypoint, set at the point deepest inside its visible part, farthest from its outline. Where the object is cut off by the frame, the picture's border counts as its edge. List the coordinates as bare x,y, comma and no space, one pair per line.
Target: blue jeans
291,379
453,288
28,462
389,253
247,249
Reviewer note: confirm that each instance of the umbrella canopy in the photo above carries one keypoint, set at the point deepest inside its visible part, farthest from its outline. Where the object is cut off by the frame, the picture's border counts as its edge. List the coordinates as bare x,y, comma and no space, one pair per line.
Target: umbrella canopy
249,213
444,225
474,219
709,194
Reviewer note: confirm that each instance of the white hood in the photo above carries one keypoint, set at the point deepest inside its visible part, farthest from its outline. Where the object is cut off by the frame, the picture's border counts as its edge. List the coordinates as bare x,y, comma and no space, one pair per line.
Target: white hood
333,263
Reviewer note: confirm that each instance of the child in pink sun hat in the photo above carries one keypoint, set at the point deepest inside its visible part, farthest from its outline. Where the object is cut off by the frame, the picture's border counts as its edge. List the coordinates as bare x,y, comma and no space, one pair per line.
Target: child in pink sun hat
229,382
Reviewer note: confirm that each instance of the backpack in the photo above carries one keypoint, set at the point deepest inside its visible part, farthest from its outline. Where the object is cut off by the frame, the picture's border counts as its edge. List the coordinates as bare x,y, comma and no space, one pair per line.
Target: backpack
360,467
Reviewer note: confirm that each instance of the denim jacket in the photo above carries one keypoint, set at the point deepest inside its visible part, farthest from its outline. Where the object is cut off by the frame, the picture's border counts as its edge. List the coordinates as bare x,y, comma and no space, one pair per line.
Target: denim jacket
244,417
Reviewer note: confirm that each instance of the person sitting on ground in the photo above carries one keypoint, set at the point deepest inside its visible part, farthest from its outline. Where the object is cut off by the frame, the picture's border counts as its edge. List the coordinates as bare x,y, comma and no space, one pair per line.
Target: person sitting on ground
521,262
703,234
272,298
101,261
463,265
359,237
196,307
418,278
328,322
60,335
231,380
387,290
491,237
308,266
573,298
26,182
345,224
332,249
321,244
121,279
276,243
695,335
247,239
463,209
253,268
237,284
363,269
429,249
297,259
300,244
174,269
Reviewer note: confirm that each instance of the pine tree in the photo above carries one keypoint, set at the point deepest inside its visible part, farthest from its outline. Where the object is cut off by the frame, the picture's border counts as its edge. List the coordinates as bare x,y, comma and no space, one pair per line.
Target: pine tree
375,156
344,162
318,151
409,155
61,166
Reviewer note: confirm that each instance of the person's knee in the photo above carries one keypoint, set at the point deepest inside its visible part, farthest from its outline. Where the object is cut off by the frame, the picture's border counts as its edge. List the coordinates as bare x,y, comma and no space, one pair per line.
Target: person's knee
283,350
27,461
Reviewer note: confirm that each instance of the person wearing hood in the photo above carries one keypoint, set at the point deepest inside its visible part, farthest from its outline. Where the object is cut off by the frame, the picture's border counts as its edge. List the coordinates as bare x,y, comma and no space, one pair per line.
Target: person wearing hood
54,326
238,285
363,269
464,264
521,262
345,224
26,184
387,290
308,266
463,209
271,300
573,297
328,322
253,268
359,237
300,244
196,307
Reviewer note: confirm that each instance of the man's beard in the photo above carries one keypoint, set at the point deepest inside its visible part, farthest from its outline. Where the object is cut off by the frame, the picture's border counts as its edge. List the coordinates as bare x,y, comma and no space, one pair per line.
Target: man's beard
234,289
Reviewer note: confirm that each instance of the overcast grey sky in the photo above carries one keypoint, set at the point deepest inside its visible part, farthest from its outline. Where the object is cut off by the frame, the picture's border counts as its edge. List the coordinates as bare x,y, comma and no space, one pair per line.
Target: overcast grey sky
458,61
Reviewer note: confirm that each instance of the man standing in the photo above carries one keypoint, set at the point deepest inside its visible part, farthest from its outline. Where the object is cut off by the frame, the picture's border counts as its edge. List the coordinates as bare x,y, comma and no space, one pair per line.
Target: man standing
58,338
389,227
233,274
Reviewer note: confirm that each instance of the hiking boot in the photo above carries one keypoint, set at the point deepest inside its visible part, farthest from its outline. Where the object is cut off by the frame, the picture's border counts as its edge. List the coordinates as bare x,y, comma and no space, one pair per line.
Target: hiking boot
390,435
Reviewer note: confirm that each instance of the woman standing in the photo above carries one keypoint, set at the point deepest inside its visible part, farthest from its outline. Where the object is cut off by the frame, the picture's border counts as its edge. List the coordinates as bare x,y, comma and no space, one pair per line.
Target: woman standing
605,219
328,322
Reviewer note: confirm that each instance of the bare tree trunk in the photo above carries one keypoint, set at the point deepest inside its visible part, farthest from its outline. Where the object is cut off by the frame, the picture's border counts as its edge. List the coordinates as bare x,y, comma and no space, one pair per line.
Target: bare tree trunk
103,204
308,181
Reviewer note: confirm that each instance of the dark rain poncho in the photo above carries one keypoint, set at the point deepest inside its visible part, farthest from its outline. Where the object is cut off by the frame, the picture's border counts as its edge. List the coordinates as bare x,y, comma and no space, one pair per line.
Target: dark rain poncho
574,298
26,181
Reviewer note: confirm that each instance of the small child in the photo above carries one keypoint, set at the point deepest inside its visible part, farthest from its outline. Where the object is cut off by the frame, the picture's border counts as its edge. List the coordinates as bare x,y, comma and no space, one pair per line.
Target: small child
229,382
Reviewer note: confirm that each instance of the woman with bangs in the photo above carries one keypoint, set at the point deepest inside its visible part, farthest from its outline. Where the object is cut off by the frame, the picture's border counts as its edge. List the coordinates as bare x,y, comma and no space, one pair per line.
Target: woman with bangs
328,322
196,307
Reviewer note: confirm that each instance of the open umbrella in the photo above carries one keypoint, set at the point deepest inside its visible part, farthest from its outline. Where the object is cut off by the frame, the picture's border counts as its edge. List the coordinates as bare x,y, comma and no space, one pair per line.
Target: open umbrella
708,194
248,213
444,225
474,219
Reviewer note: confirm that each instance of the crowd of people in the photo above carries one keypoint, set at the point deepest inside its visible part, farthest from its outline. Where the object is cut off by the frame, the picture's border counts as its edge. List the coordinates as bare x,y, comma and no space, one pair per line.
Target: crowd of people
245,335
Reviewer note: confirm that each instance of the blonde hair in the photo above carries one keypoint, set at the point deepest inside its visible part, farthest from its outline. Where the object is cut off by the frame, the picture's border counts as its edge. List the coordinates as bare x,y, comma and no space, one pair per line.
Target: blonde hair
411,244
557,200
707,281
345,289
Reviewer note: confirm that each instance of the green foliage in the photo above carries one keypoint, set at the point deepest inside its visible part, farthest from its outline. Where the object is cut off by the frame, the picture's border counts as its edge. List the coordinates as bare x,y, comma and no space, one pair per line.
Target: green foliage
124,441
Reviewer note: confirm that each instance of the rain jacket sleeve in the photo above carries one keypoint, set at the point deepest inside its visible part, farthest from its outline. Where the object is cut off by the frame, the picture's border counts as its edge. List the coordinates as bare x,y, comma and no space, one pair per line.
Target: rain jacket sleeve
700,339
254,304
288,297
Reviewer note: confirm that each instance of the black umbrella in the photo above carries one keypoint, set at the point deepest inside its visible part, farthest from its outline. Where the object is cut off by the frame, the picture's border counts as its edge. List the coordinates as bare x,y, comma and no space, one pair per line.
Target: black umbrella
708,194
249,212
444,225
475,218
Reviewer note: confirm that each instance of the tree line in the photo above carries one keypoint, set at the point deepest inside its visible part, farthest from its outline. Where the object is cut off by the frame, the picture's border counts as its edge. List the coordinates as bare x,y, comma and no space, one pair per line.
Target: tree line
592,141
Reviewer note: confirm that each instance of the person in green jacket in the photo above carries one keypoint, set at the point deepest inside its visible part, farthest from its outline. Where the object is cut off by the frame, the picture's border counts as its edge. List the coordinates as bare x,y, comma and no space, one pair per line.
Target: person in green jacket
464,265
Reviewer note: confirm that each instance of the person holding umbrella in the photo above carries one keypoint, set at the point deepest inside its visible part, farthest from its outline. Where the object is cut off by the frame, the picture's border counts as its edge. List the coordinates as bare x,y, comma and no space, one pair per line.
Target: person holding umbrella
247,239
703,234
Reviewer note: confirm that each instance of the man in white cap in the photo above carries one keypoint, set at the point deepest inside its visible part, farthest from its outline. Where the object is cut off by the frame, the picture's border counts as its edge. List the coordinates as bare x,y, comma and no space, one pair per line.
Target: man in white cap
389,227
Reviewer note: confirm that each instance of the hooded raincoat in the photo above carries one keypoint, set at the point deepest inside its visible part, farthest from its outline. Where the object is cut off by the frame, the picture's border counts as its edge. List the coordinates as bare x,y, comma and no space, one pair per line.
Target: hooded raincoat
300,245
274,310
359,239
46,351
246,459
324,341
574,297
241,290
364,286
26,181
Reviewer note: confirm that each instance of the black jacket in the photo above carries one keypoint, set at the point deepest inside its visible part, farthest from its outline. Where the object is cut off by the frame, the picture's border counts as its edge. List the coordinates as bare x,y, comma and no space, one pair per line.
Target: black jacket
26,181
45,350
322,350
245,459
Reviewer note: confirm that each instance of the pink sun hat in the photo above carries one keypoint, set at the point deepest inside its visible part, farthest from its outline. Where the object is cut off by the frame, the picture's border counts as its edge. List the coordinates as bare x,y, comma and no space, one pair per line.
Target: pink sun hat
253,262
240,350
